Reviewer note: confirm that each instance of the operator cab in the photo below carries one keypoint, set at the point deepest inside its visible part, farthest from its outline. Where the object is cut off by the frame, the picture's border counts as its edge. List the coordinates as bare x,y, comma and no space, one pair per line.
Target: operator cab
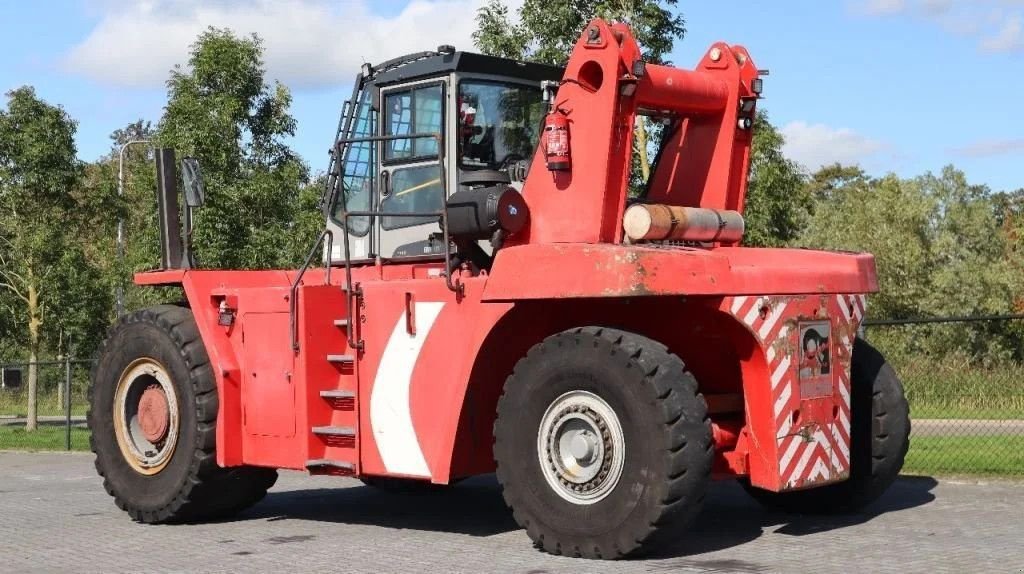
419,128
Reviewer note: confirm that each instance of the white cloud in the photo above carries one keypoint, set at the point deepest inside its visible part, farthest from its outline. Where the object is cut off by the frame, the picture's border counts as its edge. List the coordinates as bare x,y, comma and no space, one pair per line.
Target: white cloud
817,145
992,147
880,7
997,26
936,7
308,43
1009,38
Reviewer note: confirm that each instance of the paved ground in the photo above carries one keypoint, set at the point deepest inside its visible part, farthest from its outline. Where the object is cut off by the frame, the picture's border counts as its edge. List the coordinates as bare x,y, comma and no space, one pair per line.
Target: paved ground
922,427
15,420
54,516
967,427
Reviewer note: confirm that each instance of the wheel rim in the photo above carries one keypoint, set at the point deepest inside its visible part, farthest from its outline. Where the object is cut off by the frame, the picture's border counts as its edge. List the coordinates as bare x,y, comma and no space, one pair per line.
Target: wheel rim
581,447
146,417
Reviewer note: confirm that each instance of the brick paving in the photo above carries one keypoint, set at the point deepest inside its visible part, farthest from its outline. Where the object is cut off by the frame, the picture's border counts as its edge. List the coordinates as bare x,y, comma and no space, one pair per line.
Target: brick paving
54,516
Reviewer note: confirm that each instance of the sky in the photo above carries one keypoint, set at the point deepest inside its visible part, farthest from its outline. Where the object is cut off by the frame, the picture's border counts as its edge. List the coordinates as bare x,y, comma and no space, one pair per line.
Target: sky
903,86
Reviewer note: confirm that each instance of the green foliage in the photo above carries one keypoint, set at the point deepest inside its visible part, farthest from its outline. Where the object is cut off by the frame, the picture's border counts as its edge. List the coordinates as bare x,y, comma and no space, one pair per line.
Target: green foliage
546,31
778,202
53,289
221,112
940,250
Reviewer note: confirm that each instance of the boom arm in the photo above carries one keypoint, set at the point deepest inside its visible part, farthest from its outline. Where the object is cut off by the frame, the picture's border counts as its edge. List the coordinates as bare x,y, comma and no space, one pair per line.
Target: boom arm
704,160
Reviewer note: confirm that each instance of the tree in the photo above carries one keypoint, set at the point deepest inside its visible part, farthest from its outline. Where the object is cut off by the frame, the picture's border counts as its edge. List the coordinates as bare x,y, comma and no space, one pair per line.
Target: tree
221,111
39,254
778,202
939,248
546,32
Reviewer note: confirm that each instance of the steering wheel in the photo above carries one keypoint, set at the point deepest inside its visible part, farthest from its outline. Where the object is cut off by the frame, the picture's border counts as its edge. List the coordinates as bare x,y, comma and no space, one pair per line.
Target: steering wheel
508,160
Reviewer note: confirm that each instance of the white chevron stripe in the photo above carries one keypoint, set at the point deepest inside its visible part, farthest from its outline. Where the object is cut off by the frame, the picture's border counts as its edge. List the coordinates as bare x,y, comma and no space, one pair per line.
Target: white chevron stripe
737,304
802,463
780,403
787,423
780,372
841,300
838,439
788,455
856,311
752,314
820,470
820,438
845,422
390,411
772,319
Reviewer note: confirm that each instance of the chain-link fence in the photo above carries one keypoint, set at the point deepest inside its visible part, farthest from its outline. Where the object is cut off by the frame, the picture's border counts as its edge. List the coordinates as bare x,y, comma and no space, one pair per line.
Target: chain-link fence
61,403
967,418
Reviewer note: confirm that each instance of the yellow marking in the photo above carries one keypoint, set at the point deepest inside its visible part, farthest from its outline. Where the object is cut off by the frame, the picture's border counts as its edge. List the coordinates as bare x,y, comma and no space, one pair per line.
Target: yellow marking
418,187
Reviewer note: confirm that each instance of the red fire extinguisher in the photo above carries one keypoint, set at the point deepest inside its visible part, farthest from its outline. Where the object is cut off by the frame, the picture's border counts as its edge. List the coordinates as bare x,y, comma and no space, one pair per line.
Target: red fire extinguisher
556,141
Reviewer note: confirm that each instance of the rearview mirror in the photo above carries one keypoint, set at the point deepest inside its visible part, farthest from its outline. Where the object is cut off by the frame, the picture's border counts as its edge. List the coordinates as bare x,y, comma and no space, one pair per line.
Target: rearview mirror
195,189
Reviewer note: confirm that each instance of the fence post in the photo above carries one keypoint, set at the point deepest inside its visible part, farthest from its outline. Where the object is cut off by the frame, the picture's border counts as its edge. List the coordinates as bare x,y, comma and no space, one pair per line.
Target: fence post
67,400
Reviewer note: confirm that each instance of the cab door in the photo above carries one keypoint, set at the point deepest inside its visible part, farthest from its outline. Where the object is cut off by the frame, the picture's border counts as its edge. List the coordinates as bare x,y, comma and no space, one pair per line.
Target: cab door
412,169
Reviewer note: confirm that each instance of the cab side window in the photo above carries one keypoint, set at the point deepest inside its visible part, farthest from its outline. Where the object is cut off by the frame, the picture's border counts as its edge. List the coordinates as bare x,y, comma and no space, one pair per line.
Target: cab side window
417,111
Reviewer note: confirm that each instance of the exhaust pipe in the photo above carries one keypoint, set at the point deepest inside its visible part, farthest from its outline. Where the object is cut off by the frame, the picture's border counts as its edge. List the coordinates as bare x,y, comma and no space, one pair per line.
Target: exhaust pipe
169,218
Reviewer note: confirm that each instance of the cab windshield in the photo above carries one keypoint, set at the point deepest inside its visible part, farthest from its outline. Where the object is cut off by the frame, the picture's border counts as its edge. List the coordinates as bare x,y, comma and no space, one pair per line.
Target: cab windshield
498,123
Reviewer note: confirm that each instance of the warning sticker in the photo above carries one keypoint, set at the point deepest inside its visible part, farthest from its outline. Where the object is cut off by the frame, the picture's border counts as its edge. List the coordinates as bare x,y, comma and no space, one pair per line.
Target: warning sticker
815,360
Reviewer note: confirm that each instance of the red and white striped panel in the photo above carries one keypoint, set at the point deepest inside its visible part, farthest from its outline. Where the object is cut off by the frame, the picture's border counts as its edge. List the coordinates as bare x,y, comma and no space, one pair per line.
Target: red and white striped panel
813,449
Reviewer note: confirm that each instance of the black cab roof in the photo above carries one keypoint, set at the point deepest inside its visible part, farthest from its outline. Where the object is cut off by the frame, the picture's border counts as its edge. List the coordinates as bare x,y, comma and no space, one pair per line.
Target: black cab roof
446,60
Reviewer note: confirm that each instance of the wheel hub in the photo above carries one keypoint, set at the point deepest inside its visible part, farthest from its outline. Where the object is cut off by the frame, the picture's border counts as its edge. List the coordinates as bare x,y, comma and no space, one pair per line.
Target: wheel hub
581,447
146,418
154,417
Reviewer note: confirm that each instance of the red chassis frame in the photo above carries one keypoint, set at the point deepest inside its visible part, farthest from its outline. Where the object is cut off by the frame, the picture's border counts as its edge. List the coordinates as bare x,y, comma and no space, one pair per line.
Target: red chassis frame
418,398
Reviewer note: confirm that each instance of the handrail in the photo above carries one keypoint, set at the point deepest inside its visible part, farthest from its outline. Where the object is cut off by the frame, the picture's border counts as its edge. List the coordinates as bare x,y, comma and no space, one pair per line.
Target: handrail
293,296
353,291
337,149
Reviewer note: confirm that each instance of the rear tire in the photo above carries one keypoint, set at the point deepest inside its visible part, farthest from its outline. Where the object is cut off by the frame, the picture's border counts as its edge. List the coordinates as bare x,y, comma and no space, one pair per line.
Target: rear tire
163,467
879,436
603,444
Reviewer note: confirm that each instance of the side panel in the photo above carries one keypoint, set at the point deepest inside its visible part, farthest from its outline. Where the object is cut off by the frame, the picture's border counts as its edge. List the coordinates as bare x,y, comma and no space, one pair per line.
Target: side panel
568,270
243,292
268,407
419,350
798,420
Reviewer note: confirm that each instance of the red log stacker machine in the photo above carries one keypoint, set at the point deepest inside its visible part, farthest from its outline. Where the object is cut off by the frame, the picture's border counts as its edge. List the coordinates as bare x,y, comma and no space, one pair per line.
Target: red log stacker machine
492,299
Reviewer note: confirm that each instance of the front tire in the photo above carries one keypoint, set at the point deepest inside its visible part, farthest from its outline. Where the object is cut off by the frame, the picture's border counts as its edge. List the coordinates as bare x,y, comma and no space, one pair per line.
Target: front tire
603,444
153,416
879,439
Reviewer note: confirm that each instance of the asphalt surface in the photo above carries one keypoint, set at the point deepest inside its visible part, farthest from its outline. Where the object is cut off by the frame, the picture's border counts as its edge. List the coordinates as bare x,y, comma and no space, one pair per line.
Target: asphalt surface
55,517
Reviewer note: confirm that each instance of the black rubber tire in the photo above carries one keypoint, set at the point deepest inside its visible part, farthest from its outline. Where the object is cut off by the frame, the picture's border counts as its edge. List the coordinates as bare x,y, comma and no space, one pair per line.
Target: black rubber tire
191,487
666,429
879,437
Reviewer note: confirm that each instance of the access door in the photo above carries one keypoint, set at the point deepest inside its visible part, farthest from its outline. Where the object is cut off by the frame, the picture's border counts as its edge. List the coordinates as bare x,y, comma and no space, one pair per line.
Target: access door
412,169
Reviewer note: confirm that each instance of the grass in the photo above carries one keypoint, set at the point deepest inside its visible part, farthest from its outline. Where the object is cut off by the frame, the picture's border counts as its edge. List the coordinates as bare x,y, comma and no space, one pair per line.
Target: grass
985,455
950,389
929,455
47,437
15,403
